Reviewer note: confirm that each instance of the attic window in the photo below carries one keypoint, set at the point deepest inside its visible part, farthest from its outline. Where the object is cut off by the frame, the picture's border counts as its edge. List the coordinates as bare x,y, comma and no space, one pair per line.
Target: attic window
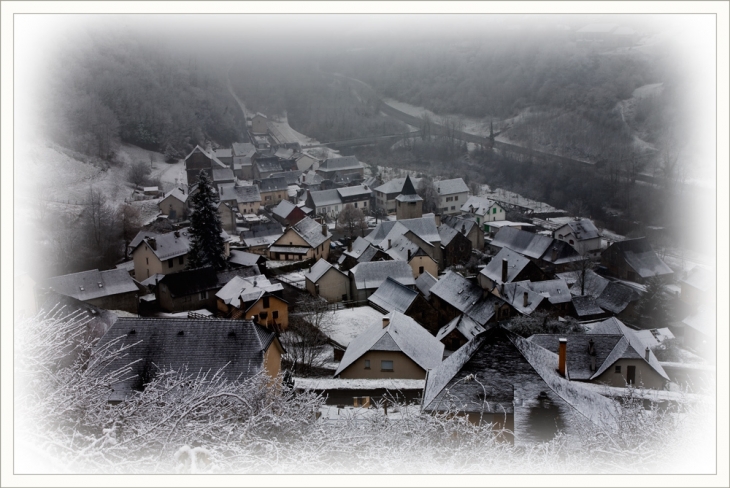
231,334
133,331
181,333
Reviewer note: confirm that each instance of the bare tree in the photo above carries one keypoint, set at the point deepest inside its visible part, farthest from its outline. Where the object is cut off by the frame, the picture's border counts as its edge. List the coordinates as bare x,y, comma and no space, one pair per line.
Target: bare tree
474,188
352,221
131,222
138,173
580,269
306,338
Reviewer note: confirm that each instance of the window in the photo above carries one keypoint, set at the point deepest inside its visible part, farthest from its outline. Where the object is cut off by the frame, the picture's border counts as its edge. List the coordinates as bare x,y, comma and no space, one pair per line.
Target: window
148,260
355,204
452,207
456,198
367,364
364,204
181,260
170,263
571,242
420,270
268,198
494,210
204,295
275,314
266,302
617,369
386,365
560,236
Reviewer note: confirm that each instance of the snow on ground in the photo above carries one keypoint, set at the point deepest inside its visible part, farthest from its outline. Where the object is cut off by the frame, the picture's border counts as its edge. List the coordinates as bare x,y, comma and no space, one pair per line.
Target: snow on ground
358,384
512,198
294,279
349,323
278,264
330,413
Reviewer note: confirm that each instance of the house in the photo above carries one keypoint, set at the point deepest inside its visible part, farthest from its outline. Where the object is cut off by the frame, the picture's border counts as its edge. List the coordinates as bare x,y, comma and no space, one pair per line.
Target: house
483,210
291,177
556,293
424,283
500,378
408,205
113,289
286,213
359,196
455,246
245,199
324,280
634,260
581,234
259,237
508,266
332,166
239,349
255,298
259,124
229,215
453,295
546,252
225,156
242,164
652,338
361,251
493,227
396,348
468,226
263,167
199,160
610,354
305,161
421,231
327,203
163,253
696,288
365,278
386,193
452,195
403,249
173,204
194,289
311,181
458,332
393,296
273,191
307,239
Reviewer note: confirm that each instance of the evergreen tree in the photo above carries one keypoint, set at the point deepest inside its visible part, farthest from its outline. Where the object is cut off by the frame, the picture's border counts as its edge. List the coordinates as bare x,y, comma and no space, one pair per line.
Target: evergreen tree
654,304
207,247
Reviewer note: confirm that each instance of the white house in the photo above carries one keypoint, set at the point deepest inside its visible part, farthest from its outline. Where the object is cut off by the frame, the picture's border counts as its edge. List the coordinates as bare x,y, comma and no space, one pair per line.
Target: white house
581,234
452,195
484,209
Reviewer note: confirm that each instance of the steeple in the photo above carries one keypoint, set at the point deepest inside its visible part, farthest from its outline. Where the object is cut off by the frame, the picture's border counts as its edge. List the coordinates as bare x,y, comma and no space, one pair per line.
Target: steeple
408,188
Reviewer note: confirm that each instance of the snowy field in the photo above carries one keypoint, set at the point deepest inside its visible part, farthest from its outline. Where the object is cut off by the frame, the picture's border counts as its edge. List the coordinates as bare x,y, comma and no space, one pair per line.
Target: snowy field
351,322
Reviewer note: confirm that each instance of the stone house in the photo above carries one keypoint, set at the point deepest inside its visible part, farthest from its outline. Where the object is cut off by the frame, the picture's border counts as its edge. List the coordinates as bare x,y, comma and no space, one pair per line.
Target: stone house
483,210
366,278
403,249
199,159
392,296
273,191
468,226
455,246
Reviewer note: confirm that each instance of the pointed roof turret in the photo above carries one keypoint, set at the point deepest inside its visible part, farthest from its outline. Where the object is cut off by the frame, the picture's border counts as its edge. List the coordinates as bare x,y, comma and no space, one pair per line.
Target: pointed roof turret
408,188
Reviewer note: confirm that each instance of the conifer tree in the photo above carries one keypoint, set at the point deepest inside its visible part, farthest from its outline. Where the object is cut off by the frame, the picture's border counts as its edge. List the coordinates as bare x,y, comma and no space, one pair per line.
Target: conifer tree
207,247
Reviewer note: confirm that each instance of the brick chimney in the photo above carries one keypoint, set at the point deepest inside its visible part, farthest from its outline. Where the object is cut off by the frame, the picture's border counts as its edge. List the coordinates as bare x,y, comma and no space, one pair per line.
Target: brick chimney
505,265
562,355
386,322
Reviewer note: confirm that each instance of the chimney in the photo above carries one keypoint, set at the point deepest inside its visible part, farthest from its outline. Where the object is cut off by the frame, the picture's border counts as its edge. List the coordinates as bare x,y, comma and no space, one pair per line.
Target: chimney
524,300
646,354
437,218
389,243
386,322
555,254
324,229
152,242
409,255
562,353
504,270
177,233
463,229
349,245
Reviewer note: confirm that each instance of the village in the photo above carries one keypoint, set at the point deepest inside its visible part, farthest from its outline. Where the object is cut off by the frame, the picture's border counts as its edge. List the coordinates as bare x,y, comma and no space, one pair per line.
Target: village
379,291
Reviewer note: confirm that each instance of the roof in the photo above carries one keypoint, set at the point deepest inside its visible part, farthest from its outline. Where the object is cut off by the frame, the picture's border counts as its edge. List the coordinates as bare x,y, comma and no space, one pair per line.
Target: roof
477,205
246,288
311,231
401,334
223,152
318,270
244,258
189,282
178,193
586,306
424,283
241,194
447,234
391,296
514,294
466,326
515,264
615,297
535,246
465,296
290,249
170,244
578,357
463,224
243,149
340,164
653,337
267,166
396,185
582,229
325,198
593,285
283,209
357,190
392,384
556,291
408,188
702,279
88,285
508,365
631,348
449,187
372,274
215,162
236,347
292,177
401,247
273,184
424,227
311,178
641,257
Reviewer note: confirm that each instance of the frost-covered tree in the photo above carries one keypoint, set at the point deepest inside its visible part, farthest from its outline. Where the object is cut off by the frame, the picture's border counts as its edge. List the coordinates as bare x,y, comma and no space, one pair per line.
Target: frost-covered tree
207,247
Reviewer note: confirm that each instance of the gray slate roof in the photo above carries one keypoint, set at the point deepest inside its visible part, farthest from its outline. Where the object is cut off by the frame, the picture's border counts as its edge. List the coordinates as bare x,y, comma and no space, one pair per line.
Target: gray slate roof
265,166
615,297
372,274
586,306
243,149
223,152
241,194
340,164
535,246
357,190
465,296
244,258
178,193
468,328
396,185
424,283
514,294
325,198
477,205
556,291
391,296
318,270
424,227
641,257
200,345
246,288
291,177
402,334
273,184
399,249
450,187
311,231
447,233
463,224
583,229
216,163
515,264
284,208
88,285
578,357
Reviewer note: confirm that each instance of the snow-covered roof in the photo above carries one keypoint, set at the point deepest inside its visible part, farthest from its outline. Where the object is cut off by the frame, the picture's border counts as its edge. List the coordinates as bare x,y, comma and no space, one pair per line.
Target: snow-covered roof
318,270
340,164
178,193
241,194
223,152
88,285
641,257
311,231
586,306
424,227
653,337
465,296
477,205
465,325
395,185
243,149
391,384
535,246
268,166
463,224
245,288
273,184
215,162
391,296
515,293
556,291
447,234
168,245
450,187
357,190
324,198
582,229
283,209
615,297
291,177
403,249
515,264
244,258
372,274
424,283
348,323
401,334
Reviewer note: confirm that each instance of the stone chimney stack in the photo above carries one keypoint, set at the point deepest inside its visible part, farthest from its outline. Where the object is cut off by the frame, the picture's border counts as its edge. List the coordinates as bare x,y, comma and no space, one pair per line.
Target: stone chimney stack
646,354
349,245
386,322
525,303
562,355
389,243
505,265
324,229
